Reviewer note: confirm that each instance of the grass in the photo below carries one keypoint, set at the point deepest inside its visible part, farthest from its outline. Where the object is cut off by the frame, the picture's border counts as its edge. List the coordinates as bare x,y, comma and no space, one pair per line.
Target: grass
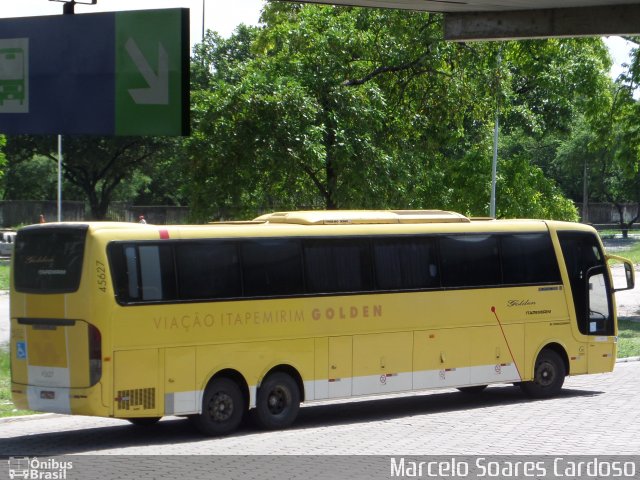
4,277
633,254
629,249
628,338
7,408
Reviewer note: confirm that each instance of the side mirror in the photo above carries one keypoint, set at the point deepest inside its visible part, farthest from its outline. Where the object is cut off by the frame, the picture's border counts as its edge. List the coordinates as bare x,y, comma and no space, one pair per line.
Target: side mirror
629,274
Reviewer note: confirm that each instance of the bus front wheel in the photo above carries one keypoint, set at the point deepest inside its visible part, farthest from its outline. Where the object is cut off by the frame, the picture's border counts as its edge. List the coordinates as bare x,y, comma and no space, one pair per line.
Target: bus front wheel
278,402
222,408
548,376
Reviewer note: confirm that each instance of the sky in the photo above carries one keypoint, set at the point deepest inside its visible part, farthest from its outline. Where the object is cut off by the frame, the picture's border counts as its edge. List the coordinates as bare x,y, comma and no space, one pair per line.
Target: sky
221,16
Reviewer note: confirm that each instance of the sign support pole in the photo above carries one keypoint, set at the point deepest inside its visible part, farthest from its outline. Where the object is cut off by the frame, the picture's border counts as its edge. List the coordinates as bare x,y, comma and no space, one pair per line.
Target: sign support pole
59,178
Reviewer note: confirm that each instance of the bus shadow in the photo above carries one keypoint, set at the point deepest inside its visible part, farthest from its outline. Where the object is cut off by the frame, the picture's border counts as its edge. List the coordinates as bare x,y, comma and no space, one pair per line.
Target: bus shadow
423,403
173,431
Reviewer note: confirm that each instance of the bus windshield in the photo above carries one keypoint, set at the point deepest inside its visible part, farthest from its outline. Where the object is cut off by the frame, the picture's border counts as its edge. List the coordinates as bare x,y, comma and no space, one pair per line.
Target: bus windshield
49,260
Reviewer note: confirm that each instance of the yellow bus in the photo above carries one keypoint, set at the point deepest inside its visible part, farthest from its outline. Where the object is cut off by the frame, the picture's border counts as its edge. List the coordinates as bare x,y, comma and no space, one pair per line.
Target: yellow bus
215,321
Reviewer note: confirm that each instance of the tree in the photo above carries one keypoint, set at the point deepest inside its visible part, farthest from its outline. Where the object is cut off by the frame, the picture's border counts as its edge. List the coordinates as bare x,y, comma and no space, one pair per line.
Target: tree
30,179
600,160
97,166
315,103
363,108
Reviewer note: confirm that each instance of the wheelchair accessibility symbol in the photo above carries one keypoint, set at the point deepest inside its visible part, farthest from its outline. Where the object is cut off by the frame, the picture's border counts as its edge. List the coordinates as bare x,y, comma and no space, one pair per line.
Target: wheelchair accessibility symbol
21,350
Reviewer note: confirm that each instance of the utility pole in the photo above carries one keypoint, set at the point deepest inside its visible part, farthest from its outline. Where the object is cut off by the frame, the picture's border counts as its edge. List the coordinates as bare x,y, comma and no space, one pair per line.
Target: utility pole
203,16
585,192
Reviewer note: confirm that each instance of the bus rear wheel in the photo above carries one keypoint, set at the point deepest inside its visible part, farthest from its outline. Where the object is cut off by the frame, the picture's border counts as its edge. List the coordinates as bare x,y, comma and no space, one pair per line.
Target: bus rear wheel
223,407
548,376
278,402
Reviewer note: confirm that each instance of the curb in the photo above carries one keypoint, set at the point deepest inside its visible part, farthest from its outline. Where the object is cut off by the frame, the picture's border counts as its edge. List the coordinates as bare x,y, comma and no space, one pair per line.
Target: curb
628,359
25,418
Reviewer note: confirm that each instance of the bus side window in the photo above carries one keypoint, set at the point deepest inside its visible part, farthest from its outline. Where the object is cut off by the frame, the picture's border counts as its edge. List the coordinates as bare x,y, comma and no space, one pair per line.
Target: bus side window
133,286
337,265
208,270
528,259
272,267
145,272
470,260
405,263
150,272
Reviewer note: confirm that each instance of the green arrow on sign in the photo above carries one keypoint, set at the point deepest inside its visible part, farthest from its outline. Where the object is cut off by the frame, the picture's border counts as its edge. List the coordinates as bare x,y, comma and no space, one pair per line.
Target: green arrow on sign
152,72
157,93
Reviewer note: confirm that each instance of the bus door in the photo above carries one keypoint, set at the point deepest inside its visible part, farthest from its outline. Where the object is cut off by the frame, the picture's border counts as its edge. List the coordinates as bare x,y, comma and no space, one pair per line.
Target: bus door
592,296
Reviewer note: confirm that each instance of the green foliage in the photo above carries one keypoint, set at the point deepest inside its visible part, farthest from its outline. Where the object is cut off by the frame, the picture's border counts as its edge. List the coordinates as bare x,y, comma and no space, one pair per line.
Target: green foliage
99,169
547,82
369,108
32,179
524,189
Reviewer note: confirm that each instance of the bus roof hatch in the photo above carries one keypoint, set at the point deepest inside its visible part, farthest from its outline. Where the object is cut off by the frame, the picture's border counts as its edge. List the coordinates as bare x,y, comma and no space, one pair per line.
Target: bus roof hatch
362,217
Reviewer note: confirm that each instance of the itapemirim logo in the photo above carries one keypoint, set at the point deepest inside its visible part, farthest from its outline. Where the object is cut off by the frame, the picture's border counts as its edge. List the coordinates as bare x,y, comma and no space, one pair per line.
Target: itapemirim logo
36,469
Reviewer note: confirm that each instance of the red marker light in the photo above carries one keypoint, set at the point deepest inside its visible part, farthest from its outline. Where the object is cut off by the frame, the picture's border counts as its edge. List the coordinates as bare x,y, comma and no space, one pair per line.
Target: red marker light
164,234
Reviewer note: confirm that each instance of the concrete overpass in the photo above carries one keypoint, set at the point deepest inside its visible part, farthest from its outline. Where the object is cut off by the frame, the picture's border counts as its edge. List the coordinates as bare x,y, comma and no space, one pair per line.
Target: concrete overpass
466,20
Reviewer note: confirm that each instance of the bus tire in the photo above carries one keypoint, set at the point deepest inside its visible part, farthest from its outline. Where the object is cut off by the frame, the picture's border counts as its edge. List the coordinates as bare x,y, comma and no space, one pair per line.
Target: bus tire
474,389
277,402
548,376
144,421
223,407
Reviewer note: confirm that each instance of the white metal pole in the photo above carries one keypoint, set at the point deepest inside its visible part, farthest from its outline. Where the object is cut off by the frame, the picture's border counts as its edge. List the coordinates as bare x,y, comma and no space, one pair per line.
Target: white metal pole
494,163
59,178
494,168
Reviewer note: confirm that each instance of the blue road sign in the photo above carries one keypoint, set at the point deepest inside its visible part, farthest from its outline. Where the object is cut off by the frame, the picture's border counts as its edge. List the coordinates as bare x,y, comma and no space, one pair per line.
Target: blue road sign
60,75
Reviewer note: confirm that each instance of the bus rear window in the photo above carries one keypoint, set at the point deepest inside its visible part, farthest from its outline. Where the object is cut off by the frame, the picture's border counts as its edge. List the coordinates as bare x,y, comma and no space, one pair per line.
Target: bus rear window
49,259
